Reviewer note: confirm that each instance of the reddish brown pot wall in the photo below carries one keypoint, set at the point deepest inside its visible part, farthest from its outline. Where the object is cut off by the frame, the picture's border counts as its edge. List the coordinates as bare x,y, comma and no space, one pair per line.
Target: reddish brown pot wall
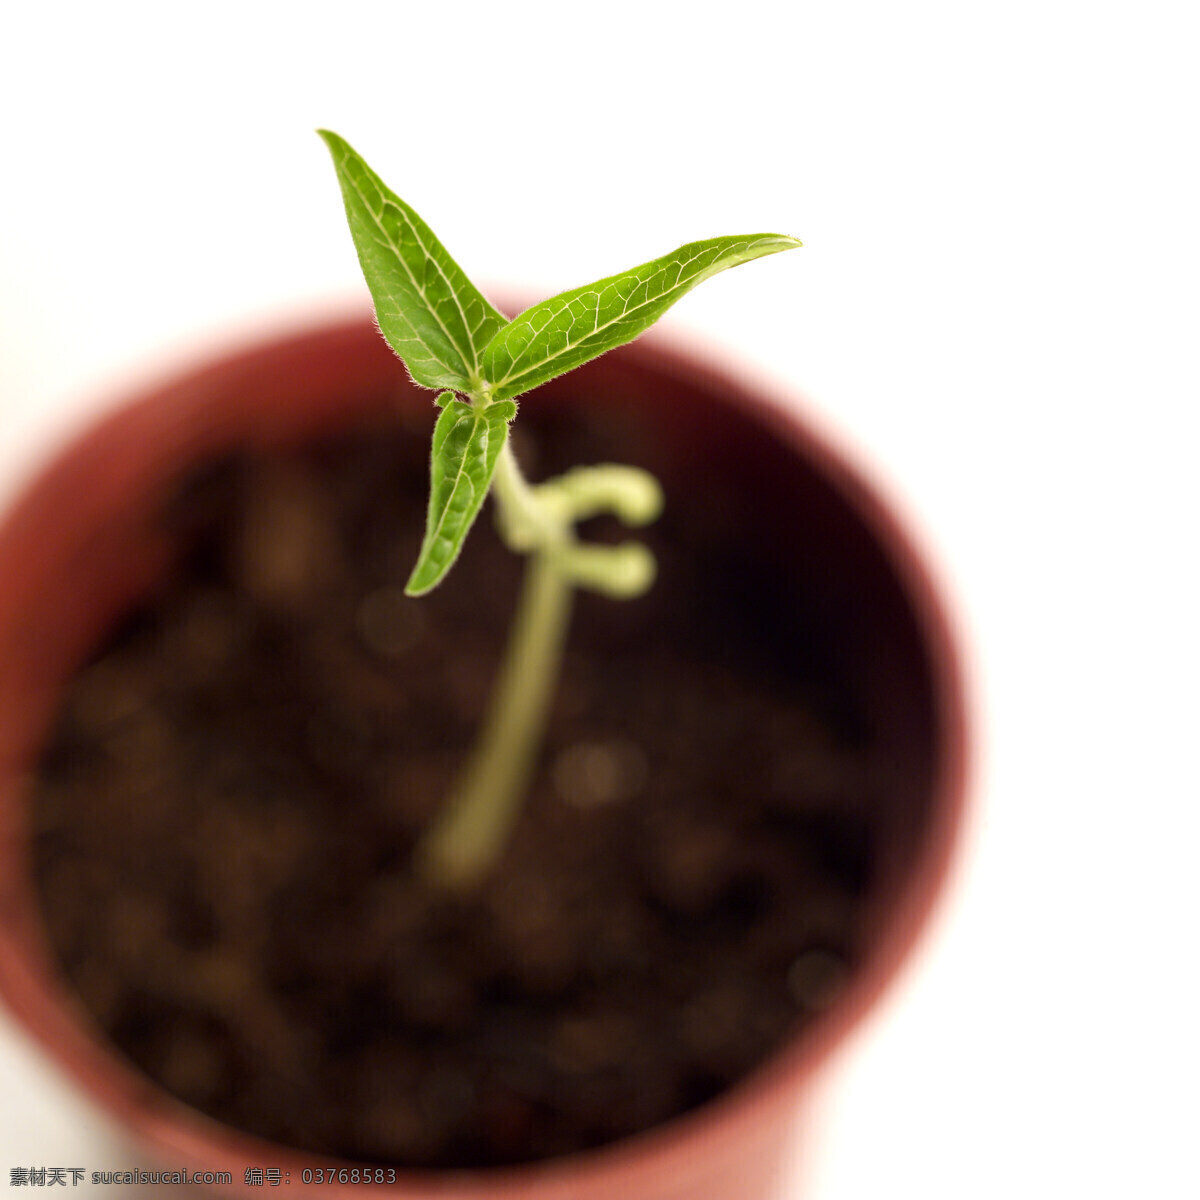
80,544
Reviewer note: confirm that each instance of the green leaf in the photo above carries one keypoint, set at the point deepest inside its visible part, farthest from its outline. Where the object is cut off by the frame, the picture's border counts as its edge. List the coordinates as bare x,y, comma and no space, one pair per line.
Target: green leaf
431,314
568,330
466,443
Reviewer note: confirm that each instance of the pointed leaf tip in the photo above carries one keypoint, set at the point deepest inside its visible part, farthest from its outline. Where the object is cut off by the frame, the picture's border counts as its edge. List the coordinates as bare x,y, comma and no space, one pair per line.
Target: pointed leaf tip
429,312
567,330
466,444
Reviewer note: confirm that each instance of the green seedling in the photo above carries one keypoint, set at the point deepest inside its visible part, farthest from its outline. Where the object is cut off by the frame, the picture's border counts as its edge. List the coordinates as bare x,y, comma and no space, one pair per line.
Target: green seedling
454,341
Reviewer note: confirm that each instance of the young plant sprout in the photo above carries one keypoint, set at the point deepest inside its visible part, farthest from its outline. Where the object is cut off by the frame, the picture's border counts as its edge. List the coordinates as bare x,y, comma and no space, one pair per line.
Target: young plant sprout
452,340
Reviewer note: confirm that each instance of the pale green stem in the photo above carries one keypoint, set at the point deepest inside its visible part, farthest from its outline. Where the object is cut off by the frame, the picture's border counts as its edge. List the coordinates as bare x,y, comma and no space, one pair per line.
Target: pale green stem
526,521
474,824
470,832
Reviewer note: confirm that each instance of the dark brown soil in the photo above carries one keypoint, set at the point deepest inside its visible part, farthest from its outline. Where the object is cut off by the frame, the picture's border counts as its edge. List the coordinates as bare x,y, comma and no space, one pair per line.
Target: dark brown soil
226,813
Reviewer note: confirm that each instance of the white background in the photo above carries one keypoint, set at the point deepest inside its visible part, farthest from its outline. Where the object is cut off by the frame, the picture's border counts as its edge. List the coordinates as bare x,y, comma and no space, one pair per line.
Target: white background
996,307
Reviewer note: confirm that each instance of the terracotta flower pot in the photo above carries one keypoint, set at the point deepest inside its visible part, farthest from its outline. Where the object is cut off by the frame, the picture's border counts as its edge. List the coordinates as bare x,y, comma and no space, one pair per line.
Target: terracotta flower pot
80,545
